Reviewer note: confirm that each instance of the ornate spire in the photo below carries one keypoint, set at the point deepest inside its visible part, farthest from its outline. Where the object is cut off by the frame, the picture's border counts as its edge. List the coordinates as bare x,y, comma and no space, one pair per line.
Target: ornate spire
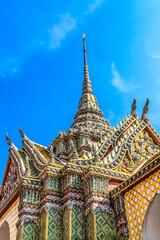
87,88
89,124
88,110
88,100
134,106
145,110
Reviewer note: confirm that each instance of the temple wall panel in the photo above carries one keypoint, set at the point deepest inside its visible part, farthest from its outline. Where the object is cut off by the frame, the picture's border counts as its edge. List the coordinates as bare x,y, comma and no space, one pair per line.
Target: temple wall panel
43,225
78,226
11,216
137,201
91,226
67,228
104,222
30,231
54,225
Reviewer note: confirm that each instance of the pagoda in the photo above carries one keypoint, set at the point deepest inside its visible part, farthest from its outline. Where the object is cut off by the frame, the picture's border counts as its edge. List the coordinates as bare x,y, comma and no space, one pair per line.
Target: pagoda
91,179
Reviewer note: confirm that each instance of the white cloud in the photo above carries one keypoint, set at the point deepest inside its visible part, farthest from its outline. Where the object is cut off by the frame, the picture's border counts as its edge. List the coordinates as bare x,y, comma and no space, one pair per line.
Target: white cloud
58,32
94,5
119,82
55,35
67,23
153,55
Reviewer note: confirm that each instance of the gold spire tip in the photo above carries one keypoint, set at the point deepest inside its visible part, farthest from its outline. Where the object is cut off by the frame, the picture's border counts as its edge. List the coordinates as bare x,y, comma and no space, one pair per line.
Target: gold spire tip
83,36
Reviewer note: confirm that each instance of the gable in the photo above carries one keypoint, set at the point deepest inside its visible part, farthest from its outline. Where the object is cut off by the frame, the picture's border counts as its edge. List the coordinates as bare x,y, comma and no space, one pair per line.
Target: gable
142,148
10,180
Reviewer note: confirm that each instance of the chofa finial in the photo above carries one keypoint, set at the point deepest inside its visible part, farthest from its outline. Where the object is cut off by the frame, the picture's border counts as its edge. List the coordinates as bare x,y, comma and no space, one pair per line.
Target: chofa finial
134,106
21,133
145,110
8,140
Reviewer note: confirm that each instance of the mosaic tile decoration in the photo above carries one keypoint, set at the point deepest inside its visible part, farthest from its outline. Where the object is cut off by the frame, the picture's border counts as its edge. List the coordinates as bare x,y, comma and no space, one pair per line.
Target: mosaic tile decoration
43,225
78,227
54,225
66,224
30,232
11,216
90,227
103,222
137,201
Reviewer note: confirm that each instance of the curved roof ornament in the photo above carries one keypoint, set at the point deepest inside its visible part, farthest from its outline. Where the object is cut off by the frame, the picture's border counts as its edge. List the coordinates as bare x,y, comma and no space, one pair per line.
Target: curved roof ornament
21,133
145,110
8,140
134,106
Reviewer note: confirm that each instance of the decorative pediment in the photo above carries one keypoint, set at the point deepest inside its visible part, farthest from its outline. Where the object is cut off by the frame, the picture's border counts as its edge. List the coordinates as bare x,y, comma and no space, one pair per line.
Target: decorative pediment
10,180
144,147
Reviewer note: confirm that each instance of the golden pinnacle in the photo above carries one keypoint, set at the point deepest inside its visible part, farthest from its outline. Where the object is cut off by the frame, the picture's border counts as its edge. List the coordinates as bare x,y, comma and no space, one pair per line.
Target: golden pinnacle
83,36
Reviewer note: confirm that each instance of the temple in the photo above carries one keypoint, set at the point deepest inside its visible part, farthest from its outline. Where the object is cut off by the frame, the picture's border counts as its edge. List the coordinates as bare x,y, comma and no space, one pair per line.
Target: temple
90,179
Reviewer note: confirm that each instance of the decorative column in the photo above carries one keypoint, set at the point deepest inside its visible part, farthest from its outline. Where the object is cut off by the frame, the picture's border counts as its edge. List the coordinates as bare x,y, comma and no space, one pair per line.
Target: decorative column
73,204
99,214
120,214
28,223
51,216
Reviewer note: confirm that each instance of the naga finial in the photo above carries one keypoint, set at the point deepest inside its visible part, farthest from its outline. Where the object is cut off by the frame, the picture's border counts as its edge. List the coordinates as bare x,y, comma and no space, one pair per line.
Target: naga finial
8,140
134,106
145,110
21,133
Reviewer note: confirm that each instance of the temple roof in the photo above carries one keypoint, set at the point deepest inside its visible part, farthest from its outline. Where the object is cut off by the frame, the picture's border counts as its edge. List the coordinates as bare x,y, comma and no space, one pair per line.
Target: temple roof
124,150
119,152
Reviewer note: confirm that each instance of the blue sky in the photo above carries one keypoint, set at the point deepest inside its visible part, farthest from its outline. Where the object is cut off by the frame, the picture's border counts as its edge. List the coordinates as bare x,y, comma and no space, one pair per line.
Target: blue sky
41,63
